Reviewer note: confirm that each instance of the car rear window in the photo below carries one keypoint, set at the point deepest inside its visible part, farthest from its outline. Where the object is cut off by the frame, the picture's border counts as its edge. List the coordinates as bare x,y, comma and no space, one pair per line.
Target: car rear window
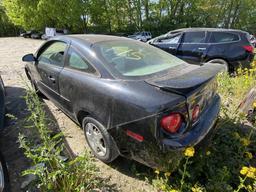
194,37
134,60
222,37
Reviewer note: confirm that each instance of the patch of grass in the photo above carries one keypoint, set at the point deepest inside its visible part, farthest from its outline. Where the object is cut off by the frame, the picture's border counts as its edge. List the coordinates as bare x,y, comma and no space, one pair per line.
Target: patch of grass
45,149
228,163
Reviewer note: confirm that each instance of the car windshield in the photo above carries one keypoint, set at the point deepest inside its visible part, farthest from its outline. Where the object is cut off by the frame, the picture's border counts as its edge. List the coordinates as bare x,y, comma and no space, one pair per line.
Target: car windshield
131,59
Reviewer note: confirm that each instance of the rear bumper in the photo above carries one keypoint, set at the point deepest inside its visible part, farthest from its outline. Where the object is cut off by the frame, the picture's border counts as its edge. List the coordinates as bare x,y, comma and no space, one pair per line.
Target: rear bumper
164,154
246,63
205,125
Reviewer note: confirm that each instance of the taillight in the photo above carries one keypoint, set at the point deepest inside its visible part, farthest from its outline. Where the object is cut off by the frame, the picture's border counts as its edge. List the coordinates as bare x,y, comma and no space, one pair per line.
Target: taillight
195,113
249,48
172,122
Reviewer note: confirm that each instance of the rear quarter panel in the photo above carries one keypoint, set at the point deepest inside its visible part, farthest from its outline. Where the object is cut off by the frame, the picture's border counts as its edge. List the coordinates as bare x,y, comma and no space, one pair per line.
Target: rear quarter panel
113,102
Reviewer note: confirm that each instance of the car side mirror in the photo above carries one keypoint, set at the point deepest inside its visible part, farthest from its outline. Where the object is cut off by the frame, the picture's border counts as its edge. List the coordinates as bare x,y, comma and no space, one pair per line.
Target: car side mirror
28,58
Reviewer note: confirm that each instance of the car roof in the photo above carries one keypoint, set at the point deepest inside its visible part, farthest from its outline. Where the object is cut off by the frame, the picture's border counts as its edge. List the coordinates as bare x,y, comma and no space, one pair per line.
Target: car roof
194,29
89,39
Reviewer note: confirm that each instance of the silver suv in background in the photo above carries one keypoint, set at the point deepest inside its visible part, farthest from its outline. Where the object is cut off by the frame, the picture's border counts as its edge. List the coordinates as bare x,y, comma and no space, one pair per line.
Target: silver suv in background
141,36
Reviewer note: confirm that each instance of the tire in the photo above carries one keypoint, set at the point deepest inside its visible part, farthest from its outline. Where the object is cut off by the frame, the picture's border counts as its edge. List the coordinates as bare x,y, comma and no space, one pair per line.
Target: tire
99,140
4,177
220,61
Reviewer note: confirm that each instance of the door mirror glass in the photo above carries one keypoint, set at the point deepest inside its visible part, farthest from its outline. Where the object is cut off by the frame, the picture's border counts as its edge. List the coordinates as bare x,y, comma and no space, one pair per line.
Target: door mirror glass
28,58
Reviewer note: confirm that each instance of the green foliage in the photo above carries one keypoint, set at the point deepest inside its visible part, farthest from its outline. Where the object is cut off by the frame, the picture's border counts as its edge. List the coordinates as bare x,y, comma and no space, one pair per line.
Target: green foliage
104,16
7,28
45,148
38,14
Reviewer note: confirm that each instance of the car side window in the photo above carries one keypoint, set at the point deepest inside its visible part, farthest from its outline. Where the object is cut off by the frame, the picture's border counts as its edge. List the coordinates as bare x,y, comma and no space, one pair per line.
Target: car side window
75,61
171,40
222,37
53,54
194,37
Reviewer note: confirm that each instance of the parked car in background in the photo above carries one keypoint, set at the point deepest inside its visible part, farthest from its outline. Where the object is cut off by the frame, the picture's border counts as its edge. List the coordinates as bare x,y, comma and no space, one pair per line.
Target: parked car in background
141,36
4,178
232,48
253,40
52,32
36,35
129,97
28,34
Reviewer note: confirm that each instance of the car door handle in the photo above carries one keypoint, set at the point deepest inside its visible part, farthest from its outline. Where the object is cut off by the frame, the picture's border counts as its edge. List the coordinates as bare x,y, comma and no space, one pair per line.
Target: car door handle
202,48
51,78
172,47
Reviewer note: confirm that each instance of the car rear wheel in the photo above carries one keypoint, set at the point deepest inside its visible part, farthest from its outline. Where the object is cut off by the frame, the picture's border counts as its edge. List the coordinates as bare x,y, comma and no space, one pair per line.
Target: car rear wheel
220,61
99,140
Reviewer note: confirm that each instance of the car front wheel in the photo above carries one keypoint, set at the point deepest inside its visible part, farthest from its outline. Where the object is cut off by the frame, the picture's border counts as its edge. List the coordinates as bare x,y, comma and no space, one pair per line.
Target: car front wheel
99,140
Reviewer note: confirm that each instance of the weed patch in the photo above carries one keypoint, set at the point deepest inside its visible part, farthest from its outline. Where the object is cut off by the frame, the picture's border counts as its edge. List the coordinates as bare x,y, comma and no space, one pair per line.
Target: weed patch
45,150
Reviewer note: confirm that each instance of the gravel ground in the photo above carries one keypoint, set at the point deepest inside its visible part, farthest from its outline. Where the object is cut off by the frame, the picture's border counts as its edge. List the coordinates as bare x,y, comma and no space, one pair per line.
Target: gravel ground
123,175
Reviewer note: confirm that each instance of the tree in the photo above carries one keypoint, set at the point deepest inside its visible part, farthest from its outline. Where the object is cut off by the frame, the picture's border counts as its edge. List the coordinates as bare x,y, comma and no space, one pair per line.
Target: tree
37,14
7,28
158,16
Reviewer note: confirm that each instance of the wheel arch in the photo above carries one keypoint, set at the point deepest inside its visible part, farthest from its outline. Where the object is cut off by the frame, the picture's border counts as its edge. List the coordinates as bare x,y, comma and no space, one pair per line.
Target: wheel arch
81,115
230,66
222,58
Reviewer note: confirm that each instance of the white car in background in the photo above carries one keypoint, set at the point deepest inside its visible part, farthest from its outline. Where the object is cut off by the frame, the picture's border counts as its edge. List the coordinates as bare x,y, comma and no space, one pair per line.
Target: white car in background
141,36
253,40
52,32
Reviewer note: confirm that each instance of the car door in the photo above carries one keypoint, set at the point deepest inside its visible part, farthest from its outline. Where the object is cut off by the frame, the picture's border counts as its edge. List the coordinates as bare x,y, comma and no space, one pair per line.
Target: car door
76,80
50,62
193,47
169,43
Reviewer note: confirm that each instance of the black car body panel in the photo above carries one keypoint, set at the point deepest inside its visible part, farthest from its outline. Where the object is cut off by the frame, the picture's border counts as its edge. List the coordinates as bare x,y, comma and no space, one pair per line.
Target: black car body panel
2,103
211,43
123,105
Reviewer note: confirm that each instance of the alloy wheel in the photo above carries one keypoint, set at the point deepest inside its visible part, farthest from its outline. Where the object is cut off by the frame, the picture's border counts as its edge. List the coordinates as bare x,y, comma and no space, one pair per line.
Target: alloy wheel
95,139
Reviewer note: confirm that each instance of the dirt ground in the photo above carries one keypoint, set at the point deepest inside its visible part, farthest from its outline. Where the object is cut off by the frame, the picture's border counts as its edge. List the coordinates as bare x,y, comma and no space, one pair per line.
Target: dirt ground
123,175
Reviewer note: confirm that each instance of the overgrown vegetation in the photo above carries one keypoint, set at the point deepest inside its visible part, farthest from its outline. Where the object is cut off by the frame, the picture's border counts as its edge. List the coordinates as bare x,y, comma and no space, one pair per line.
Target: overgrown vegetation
228,164
45,149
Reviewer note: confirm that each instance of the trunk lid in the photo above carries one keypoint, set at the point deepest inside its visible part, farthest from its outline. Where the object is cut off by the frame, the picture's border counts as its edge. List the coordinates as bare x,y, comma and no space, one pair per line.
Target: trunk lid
196,83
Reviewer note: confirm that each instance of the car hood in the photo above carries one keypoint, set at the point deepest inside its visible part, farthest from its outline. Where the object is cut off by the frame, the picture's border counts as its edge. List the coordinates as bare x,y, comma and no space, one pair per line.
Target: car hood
188,79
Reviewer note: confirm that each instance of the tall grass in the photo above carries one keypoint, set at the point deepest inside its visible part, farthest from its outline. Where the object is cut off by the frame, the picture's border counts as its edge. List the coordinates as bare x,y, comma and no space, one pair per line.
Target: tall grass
45,149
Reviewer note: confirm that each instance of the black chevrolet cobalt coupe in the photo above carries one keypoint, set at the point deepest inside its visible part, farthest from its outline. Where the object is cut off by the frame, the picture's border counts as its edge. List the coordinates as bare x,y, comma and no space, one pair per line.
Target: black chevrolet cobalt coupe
130,98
